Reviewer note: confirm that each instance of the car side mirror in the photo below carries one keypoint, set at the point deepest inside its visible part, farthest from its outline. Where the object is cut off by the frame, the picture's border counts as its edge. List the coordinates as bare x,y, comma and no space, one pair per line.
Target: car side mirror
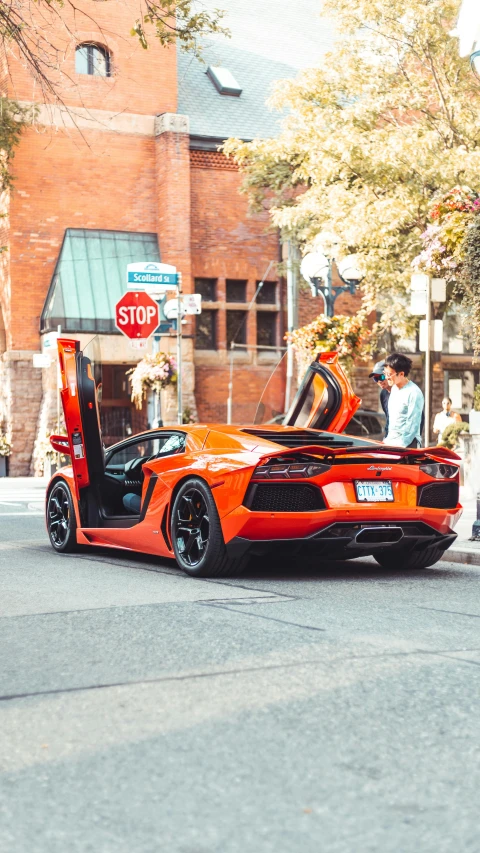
60,443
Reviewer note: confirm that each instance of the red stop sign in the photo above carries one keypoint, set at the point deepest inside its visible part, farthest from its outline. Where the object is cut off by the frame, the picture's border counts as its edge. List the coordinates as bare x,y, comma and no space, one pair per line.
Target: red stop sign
137,314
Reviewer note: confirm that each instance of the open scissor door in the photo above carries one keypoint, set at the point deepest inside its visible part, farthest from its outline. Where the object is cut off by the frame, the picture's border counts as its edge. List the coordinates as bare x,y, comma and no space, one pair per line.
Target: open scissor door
325,399
80,407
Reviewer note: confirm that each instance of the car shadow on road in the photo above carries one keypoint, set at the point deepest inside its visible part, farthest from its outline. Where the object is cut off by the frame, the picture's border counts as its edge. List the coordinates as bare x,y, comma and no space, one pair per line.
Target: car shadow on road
288,569
360,569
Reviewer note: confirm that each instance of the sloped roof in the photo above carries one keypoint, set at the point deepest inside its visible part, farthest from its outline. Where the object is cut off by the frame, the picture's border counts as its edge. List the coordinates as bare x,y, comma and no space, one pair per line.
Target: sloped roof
271,40
89,278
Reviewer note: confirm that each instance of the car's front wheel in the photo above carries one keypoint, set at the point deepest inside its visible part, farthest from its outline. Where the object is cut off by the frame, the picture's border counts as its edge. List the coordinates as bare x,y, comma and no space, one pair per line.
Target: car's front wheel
61,521
197,535
400,561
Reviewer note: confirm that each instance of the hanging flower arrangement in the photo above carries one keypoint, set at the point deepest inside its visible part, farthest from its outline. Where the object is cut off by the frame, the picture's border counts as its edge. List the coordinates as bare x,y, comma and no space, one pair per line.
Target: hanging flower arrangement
152,373
5,445
443,240
349,336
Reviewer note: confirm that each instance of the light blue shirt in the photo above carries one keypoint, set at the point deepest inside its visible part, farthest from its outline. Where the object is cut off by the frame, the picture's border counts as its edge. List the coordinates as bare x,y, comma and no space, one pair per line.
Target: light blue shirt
405,407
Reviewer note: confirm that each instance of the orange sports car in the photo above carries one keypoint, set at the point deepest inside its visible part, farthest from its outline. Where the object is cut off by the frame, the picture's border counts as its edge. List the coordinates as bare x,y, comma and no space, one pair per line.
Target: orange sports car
211,495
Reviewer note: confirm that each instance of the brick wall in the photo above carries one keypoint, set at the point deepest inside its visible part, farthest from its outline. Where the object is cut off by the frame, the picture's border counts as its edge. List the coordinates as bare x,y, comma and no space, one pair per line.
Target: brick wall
141,81
248,386
24,396
102,181
228,242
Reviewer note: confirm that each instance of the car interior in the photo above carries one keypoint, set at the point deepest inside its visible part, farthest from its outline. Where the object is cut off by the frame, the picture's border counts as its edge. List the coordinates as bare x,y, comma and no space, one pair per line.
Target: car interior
122,484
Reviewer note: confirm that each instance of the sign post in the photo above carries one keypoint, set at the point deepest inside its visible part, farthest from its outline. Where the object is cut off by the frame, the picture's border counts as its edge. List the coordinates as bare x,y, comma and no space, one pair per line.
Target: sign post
425,291
155,280
152,280
179,348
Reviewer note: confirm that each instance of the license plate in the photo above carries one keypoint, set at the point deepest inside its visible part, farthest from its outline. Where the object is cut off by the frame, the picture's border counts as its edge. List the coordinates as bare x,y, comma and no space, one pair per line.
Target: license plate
374,491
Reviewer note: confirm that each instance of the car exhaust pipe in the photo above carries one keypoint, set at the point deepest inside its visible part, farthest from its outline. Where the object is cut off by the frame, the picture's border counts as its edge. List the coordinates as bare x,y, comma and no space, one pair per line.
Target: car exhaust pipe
379,536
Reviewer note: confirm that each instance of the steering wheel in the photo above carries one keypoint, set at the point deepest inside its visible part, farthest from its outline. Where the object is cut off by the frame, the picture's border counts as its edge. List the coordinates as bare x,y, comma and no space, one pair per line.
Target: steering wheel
135,464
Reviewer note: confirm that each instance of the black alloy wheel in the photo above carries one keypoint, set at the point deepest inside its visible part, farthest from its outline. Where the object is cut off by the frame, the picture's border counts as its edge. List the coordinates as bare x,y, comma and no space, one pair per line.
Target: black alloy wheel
192,527
196,531
61,521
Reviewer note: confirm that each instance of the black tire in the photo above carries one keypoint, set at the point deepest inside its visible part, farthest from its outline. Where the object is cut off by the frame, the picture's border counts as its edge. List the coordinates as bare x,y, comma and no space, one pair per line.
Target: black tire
61,520
196,533
414,560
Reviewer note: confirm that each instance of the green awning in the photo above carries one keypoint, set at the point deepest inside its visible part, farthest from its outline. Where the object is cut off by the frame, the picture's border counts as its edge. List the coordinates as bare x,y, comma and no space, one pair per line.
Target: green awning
90,277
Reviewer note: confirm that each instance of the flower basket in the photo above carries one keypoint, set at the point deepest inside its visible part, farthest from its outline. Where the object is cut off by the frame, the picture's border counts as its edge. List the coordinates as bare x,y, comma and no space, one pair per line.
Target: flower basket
152,373
44,456
343,334
5,445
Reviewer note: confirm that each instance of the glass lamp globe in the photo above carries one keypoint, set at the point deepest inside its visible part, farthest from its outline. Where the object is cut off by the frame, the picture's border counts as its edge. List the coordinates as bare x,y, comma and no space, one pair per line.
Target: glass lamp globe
314,265
350,269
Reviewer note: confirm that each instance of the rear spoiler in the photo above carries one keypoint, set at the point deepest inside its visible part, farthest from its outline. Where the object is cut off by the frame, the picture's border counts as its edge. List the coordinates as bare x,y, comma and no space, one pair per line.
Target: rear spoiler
376,449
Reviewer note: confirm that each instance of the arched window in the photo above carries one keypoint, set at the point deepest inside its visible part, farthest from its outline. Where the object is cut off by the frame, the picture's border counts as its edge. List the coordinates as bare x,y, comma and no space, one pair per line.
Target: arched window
92,59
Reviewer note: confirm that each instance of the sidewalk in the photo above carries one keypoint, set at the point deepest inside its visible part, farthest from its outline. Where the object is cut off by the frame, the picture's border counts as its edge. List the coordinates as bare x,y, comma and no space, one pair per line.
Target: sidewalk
25,496
462,550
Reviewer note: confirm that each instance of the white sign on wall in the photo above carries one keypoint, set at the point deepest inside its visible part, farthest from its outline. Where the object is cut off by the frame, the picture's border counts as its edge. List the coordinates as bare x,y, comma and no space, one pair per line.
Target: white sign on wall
49,342
436,335
41,359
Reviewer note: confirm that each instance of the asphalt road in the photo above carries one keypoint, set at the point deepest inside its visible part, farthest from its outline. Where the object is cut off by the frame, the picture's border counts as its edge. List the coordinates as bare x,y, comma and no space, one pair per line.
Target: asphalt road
326,711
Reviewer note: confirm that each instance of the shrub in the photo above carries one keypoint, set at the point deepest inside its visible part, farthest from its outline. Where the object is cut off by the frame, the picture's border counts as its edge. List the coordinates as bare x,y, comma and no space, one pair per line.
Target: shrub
451,435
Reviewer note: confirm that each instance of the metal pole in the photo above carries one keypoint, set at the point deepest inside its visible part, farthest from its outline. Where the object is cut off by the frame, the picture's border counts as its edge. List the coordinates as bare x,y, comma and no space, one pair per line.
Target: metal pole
179,348
156,394
329,298
428,366
57,391
59,332
291,288
230,387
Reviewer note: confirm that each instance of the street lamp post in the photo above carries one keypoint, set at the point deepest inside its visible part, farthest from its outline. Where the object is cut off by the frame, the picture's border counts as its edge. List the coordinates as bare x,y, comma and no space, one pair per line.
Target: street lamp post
316,268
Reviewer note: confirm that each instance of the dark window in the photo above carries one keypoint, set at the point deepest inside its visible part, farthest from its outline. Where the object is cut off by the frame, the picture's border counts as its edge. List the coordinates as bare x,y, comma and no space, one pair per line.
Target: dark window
266,328
92,59
267,295
236,290
205,333
115,423
207,287
146,448
236,327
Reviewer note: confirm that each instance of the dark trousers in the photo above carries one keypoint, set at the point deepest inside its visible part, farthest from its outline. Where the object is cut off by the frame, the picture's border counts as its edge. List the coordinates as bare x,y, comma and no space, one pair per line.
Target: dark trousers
414,443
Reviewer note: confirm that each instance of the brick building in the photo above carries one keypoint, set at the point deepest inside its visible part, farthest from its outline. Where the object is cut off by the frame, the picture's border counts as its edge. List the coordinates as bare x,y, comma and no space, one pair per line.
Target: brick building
132,172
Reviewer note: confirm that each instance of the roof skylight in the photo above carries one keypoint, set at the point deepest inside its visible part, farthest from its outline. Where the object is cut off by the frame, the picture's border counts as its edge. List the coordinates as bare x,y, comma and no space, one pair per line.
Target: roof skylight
224,81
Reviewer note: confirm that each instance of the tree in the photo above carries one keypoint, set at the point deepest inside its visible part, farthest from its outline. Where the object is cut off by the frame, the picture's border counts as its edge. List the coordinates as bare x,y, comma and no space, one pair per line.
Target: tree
388,120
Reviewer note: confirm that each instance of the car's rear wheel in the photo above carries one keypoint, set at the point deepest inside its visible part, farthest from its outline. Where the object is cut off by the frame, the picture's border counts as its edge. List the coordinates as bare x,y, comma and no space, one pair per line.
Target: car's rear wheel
399,561
197,535
61,521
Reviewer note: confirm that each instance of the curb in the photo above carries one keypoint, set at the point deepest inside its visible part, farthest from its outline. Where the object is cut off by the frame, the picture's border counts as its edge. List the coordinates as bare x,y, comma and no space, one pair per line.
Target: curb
468,556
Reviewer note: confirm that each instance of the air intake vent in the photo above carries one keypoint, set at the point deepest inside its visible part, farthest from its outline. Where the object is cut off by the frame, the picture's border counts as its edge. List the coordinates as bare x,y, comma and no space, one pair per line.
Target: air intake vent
301,437
438,495
270,497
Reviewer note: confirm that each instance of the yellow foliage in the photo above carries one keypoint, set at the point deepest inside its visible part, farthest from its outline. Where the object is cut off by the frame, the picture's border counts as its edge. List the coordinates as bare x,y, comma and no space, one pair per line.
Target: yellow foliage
388,119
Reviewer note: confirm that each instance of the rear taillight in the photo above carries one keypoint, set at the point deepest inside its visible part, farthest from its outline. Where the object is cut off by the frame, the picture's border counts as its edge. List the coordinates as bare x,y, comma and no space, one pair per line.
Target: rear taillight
289,471
440,470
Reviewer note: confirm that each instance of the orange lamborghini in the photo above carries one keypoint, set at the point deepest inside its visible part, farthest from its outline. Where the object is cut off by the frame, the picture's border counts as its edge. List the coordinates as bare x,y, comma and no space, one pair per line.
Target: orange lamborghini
211,495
